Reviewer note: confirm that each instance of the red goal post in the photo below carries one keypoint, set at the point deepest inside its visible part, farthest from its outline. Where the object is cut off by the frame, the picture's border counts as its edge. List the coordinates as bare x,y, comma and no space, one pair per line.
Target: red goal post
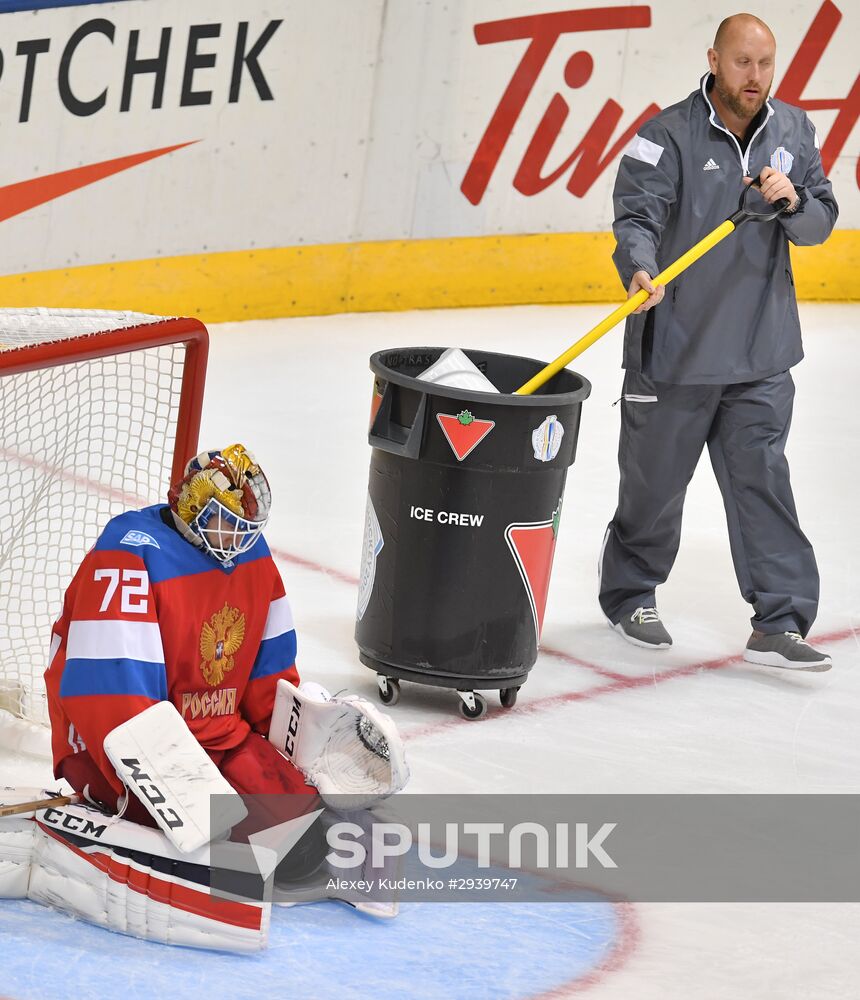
99,412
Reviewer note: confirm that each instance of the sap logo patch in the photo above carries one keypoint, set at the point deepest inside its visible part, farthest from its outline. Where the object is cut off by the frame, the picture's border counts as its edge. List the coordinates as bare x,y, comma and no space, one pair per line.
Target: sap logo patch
138,538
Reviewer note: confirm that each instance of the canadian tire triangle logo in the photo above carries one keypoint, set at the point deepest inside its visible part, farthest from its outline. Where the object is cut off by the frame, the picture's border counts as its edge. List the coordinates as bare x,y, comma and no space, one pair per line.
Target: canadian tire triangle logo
532,545
464,432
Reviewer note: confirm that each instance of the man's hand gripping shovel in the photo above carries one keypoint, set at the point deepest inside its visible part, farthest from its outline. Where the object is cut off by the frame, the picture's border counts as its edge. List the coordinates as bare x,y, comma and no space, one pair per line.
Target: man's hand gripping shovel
744,214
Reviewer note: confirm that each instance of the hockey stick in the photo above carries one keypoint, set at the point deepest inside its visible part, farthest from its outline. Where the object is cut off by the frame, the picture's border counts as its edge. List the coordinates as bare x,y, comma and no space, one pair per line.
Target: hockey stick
40,804
742,215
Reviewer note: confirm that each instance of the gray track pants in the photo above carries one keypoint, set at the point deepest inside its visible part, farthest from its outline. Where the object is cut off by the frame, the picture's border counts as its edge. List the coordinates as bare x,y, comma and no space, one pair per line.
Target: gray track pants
745,427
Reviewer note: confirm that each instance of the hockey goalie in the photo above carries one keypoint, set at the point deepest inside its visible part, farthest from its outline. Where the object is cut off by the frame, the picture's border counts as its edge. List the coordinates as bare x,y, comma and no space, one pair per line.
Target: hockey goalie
172,678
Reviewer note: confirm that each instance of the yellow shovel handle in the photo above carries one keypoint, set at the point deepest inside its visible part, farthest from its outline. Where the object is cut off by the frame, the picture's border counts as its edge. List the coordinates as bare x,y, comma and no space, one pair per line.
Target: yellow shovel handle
663,278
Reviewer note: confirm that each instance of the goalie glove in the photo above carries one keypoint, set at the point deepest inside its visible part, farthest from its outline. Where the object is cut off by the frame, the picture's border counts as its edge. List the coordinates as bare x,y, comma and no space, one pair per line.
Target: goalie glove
343,746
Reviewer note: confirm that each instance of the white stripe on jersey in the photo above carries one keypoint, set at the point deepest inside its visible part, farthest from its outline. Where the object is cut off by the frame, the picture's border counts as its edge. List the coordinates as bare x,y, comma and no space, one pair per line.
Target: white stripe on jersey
109,640
55,645
643,149
279,620
75,741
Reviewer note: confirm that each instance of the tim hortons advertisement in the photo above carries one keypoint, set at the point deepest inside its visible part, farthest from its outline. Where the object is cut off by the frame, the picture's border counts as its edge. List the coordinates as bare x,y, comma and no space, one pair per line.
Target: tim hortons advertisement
139,130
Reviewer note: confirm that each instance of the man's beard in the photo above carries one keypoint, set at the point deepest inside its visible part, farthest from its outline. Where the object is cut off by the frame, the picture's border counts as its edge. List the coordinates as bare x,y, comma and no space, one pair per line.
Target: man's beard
735,102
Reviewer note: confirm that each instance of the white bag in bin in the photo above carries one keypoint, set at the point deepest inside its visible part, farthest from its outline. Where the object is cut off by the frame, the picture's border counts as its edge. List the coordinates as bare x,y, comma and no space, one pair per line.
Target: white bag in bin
454,369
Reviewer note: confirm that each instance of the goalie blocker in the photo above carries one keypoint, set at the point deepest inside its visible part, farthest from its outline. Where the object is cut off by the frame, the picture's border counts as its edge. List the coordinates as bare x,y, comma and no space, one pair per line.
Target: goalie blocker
158,759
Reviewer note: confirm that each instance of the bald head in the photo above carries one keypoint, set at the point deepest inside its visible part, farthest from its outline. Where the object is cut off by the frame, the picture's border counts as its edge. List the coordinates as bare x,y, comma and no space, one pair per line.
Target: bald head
742,60
734,28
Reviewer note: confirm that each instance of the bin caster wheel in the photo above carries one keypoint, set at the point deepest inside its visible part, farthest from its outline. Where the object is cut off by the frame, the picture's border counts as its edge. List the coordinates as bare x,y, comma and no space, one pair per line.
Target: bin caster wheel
389,689
508,697
472,706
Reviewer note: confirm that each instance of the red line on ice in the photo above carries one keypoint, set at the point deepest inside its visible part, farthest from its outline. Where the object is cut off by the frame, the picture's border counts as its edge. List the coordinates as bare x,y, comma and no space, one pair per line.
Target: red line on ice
625,944
315,567
559,654
615,682
622,683
83,482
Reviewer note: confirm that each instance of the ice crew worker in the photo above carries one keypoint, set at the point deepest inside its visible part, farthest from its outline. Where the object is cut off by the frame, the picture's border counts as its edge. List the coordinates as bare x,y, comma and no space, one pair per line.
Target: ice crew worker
710,361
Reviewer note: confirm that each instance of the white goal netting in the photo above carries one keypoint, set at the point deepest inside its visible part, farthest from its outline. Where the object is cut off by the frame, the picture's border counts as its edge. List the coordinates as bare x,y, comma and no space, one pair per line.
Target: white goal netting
81,439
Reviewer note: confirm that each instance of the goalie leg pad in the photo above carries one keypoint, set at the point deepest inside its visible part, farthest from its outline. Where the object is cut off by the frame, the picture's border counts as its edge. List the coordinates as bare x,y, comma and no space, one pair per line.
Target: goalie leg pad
344,746
131,879
17,844
159,760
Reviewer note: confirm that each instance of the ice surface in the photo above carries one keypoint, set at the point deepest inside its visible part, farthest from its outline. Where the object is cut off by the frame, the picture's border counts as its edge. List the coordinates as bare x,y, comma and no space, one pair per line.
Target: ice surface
596,715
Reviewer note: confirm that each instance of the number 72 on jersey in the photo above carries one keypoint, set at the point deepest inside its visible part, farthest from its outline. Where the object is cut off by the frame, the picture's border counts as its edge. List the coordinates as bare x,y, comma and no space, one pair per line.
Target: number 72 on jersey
133,585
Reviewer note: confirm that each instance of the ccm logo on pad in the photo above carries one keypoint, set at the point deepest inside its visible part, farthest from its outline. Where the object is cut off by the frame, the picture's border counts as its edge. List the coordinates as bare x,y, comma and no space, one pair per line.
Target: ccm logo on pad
293,727
151,792
77,824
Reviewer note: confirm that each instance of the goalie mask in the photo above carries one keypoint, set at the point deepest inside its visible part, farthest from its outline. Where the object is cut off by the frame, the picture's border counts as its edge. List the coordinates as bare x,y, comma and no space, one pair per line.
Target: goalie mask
222,503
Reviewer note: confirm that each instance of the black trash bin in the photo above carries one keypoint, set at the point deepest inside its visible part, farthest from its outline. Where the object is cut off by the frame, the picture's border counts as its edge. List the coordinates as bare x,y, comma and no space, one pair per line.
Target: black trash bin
464,501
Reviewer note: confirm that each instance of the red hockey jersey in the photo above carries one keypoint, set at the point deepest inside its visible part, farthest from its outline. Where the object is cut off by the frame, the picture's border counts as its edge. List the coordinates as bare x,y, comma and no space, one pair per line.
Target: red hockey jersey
149,617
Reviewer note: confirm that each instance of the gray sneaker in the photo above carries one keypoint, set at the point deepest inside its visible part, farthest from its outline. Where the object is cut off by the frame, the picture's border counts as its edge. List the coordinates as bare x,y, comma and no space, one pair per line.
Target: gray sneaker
644,628
785,649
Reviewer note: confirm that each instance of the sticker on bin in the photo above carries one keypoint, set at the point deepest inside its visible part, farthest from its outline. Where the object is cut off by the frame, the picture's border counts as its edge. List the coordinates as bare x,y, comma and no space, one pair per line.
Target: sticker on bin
376,402
546,439
463,431
371,547
532,545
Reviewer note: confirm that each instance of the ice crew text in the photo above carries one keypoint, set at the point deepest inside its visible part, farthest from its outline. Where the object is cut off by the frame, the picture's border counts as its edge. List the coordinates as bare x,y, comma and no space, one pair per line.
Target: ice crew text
446,517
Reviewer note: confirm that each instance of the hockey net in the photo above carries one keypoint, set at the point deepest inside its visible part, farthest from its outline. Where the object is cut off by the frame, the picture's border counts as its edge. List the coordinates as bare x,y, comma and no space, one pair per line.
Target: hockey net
99,411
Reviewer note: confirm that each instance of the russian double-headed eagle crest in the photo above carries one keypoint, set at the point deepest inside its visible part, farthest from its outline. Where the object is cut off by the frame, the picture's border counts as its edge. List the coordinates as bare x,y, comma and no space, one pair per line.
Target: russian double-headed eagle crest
220,640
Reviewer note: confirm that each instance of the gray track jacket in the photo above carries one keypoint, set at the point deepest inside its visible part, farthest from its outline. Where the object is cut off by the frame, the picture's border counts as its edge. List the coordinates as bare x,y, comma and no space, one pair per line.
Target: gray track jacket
731,316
